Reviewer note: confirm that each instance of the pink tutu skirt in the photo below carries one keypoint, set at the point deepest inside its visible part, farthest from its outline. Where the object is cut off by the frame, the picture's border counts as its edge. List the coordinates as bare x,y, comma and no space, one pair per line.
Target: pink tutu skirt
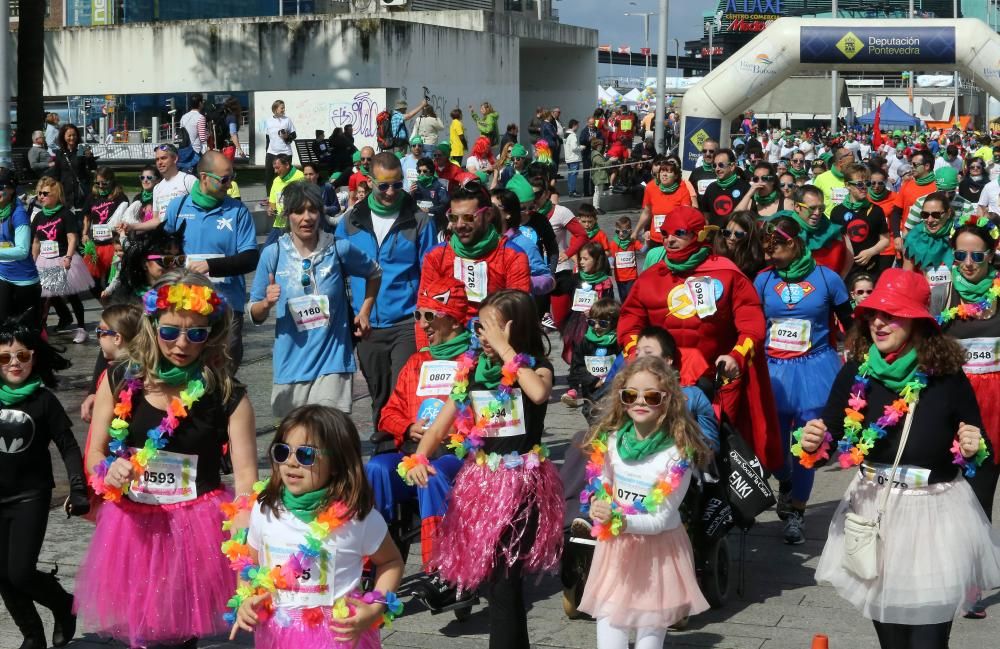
643,580
488,517
287,630
76,280
156,575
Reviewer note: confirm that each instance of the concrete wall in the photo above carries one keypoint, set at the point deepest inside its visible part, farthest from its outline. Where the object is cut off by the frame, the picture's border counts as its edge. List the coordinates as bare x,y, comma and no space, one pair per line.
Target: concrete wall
561,77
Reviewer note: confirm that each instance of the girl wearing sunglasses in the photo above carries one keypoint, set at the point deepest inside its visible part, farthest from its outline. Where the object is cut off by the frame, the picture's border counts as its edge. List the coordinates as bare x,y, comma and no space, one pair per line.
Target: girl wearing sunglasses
740,242
316,473
927,249
765,198
859,287
34,418
642,577
140,209
176,399
593,357
102,212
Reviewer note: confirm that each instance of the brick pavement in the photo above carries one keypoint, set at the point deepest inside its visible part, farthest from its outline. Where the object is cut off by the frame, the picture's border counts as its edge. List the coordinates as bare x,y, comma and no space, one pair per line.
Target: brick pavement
781,607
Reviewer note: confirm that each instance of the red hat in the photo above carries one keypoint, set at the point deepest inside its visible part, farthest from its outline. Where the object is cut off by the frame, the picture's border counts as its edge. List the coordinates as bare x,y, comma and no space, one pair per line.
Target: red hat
901,293
685,217
446,296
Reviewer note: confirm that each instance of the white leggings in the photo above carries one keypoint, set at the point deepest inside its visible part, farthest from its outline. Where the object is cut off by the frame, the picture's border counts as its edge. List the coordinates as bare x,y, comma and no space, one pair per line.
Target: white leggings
613,637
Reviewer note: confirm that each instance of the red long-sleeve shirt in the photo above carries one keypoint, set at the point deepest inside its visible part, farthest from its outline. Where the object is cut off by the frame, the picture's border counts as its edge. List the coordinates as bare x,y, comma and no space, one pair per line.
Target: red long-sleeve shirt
400,411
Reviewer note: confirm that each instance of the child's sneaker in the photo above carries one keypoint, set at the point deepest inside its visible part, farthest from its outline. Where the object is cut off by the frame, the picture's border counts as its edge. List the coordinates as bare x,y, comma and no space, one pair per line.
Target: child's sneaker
570,399
548,322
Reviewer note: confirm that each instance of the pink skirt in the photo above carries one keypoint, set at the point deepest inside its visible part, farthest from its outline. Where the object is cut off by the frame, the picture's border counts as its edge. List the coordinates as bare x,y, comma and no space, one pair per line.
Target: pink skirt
488,516
156,575
643,580
286,630
78,278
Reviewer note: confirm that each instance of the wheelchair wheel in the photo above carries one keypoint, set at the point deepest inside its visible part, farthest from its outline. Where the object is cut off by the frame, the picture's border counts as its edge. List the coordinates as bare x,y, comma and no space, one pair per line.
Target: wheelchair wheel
716,583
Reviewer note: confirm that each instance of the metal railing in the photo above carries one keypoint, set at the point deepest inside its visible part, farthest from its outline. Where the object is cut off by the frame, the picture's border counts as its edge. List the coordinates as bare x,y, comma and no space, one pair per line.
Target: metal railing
123,151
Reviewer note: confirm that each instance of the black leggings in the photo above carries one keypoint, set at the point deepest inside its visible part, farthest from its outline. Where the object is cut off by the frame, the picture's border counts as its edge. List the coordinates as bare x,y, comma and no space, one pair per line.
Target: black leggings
22,530
508,612
59,303
913,636
15,300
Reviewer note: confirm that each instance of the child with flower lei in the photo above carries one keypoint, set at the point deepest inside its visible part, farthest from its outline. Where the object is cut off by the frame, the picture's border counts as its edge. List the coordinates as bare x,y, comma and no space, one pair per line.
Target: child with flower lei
311,527
642,452
505,512
155,456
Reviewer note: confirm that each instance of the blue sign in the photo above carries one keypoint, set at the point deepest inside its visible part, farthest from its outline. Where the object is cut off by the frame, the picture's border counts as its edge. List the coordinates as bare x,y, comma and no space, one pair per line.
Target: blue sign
696,131
877,45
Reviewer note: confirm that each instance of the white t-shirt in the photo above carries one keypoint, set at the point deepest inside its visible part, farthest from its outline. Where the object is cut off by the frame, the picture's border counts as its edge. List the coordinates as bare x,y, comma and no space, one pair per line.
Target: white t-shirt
633,481
167,190
807,149
336,574
276,144
866,151
988,198
560,217
190,122
382,224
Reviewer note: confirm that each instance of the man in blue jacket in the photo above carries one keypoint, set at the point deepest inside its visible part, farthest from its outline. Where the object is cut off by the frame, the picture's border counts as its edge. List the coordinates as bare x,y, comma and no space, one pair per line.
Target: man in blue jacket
392,231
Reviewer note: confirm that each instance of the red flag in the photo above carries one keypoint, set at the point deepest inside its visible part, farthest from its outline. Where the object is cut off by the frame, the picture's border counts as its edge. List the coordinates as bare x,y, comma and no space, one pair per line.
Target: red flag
877,134
645,51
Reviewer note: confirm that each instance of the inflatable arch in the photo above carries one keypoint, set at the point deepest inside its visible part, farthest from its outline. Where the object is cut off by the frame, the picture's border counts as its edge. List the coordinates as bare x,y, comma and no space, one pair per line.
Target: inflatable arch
793,45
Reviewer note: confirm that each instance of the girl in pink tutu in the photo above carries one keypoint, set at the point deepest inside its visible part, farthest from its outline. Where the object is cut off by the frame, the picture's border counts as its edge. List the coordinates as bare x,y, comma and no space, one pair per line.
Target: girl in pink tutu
318,497
505,513
642,454
154,574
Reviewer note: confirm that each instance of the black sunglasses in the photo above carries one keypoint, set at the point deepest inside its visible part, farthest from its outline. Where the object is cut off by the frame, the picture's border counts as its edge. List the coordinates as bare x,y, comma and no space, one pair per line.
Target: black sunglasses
936,215
734,234
978,256
602,323
764,179
304,455
384,187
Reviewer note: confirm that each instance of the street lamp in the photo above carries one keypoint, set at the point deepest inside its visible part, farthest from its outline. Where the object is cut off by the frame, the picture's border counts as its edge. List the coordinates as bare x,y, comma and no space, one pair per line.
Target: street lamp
677,55
712,25
645,25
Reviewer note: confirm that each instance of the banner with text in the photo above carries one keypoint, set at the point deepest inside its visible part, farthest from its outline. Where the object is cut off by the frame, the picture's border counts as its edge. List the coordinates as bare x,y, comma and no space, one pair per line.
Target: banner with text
877,45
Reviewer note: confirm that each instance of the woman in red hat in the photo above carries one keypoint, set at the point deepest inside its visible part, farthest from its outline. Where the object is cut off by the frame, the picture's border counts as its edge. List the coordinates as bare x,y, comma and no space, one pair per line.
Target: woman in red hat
902,368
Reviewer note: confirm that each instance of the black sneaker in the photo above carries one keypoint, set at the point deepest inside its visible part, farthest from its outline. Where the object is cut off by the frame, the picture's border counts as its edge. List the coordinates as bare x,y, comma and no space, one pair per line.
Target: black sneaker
784,506
795,528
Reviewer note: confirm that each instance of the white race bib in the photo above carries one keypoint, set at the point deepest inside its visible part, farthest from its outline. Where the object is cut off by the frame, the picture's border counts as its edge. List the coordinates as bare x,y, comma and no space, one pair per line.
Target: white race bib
703,185
981,355
907,476
436,378
472,273
425,205
938,276
169,478
49,249
790,335
309,311
101,232
625,259
658,220
838,194
313,587
599,366
509,421
583,300
702,294
194,257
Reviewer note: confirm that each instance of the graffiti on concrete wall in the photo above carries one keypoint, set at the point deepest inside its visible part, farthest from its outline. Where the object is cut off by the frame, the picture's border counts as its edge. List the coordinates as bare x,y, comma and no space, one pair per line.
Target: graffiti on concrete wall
359,112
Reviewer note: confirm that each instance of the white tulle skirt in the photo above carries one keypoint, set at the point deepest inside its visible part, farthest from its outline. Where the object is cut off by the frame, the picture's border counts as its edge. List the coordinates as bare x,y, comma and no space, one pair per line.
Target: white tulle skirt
937,553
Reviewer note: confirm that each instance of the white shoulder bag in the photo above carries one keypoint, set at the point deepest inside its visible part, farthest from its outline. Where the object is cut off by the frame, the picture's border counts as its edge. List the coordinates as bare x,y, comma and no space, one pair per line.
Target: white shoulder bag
861,534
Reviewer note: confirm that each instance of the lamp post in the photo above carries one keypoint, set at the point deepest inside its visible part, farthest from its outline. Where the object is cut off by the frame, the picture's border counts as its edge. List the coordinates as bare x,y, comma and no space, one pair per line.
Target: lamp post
645,28
712,25
661,78
677,55
954,14
835,88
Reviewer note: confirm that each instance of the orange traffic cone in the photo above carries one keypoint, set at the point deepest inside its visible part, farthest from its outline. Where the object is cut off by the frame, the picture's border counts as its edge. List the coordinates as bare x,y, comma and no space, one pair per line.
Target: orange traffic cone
820,641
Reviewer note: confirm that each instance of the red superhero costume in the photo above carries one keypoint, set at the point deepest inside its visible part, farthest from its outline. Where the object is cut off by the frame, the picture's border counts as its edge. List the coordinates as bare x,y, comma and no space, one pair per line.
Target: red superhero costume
714,309
833,255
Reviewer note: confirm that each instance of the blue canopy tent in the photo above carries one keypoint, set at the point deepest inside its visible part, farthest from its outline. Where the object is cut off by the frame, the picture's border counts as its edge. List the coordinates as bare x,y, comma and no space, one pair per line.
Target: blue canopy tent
892,115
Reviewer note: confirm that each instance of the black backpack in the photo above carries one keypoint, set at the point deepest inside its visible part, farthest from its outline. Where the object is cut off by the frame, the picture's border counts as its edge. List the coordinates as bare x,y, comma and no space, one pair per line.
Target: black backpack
182,139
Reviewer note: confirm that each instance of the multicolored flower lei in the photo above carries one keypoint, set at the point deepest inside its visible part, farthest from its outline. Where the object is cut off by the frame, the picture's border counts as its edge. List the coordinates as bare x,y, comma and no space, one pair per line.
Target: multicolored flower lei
969,464
983,222
257,581
410,462
597,489
809,460
969,310
156,438
469,431
183,297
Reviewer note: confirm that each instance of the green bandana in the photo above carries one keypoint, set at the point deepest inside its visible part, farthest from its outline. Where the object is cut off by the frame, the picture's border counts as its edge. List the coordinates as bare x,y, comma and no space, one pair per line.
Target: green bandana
426,181
175,376
450,349
488,373
203,200
593,278
593,232
146,196
601,340
765,200
304,507
836,173
819,235
688,264
385,210
655,255
633,449
623,243
545,208
6,211
49,211
799,269
798,173
707,166
11,395
103,192
894,375
928,250
479,249
926,180
967,290
726,183
854,205
876,197
291,172
668,189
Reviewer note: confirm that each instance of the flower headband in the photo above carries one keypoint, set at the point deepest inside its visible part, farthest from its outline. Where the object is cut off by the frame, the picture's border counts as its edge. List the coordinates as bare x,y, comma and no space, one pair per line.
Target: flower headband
183,297
983,222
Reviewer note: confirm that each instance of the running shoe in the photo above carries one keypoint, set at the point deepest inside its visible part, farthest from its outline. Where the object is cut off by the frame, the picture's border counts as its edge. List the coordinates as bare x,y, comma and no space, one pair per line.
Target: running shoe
570,399
80,336
795,528
784,505
548,322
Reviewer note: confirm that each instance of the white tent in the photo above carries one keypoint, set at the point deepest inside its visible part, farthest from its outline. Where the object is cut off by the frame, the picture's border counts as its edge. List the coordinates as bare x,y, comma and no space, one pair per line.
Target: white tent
633,95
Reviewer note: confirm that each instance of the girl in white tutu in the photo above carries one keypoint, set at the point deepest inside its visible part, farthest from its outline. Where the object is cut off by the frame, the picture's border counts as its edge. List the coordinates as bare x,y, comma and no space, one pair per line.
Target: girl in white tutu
936,550
55,235
642,453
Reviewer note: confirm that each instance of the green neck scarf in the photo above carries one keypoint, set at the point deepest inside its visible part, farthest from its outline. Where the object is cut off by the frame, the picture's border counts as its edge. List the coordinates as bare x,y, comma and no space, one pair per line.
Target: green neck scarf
967,290
478,250
426,181
798,173
763,201
623,243
6,211
876,197
593,232
175,376
836,173
450,349
593,278
668,189
688,264
926,249
633,449
10,395
203,200
146,196
291,172
49,211
601,340
854,205
707,166
304,507
103,192
894,375
488,373
926,180
385,210
726,183
819,235
545,208
798,269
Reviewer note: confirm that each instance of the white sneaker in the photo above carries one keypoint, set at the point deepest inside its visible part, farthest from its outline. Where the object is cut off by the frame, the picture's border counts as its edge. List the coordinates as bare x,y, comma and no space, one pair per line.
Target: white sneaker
80,336
548,322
